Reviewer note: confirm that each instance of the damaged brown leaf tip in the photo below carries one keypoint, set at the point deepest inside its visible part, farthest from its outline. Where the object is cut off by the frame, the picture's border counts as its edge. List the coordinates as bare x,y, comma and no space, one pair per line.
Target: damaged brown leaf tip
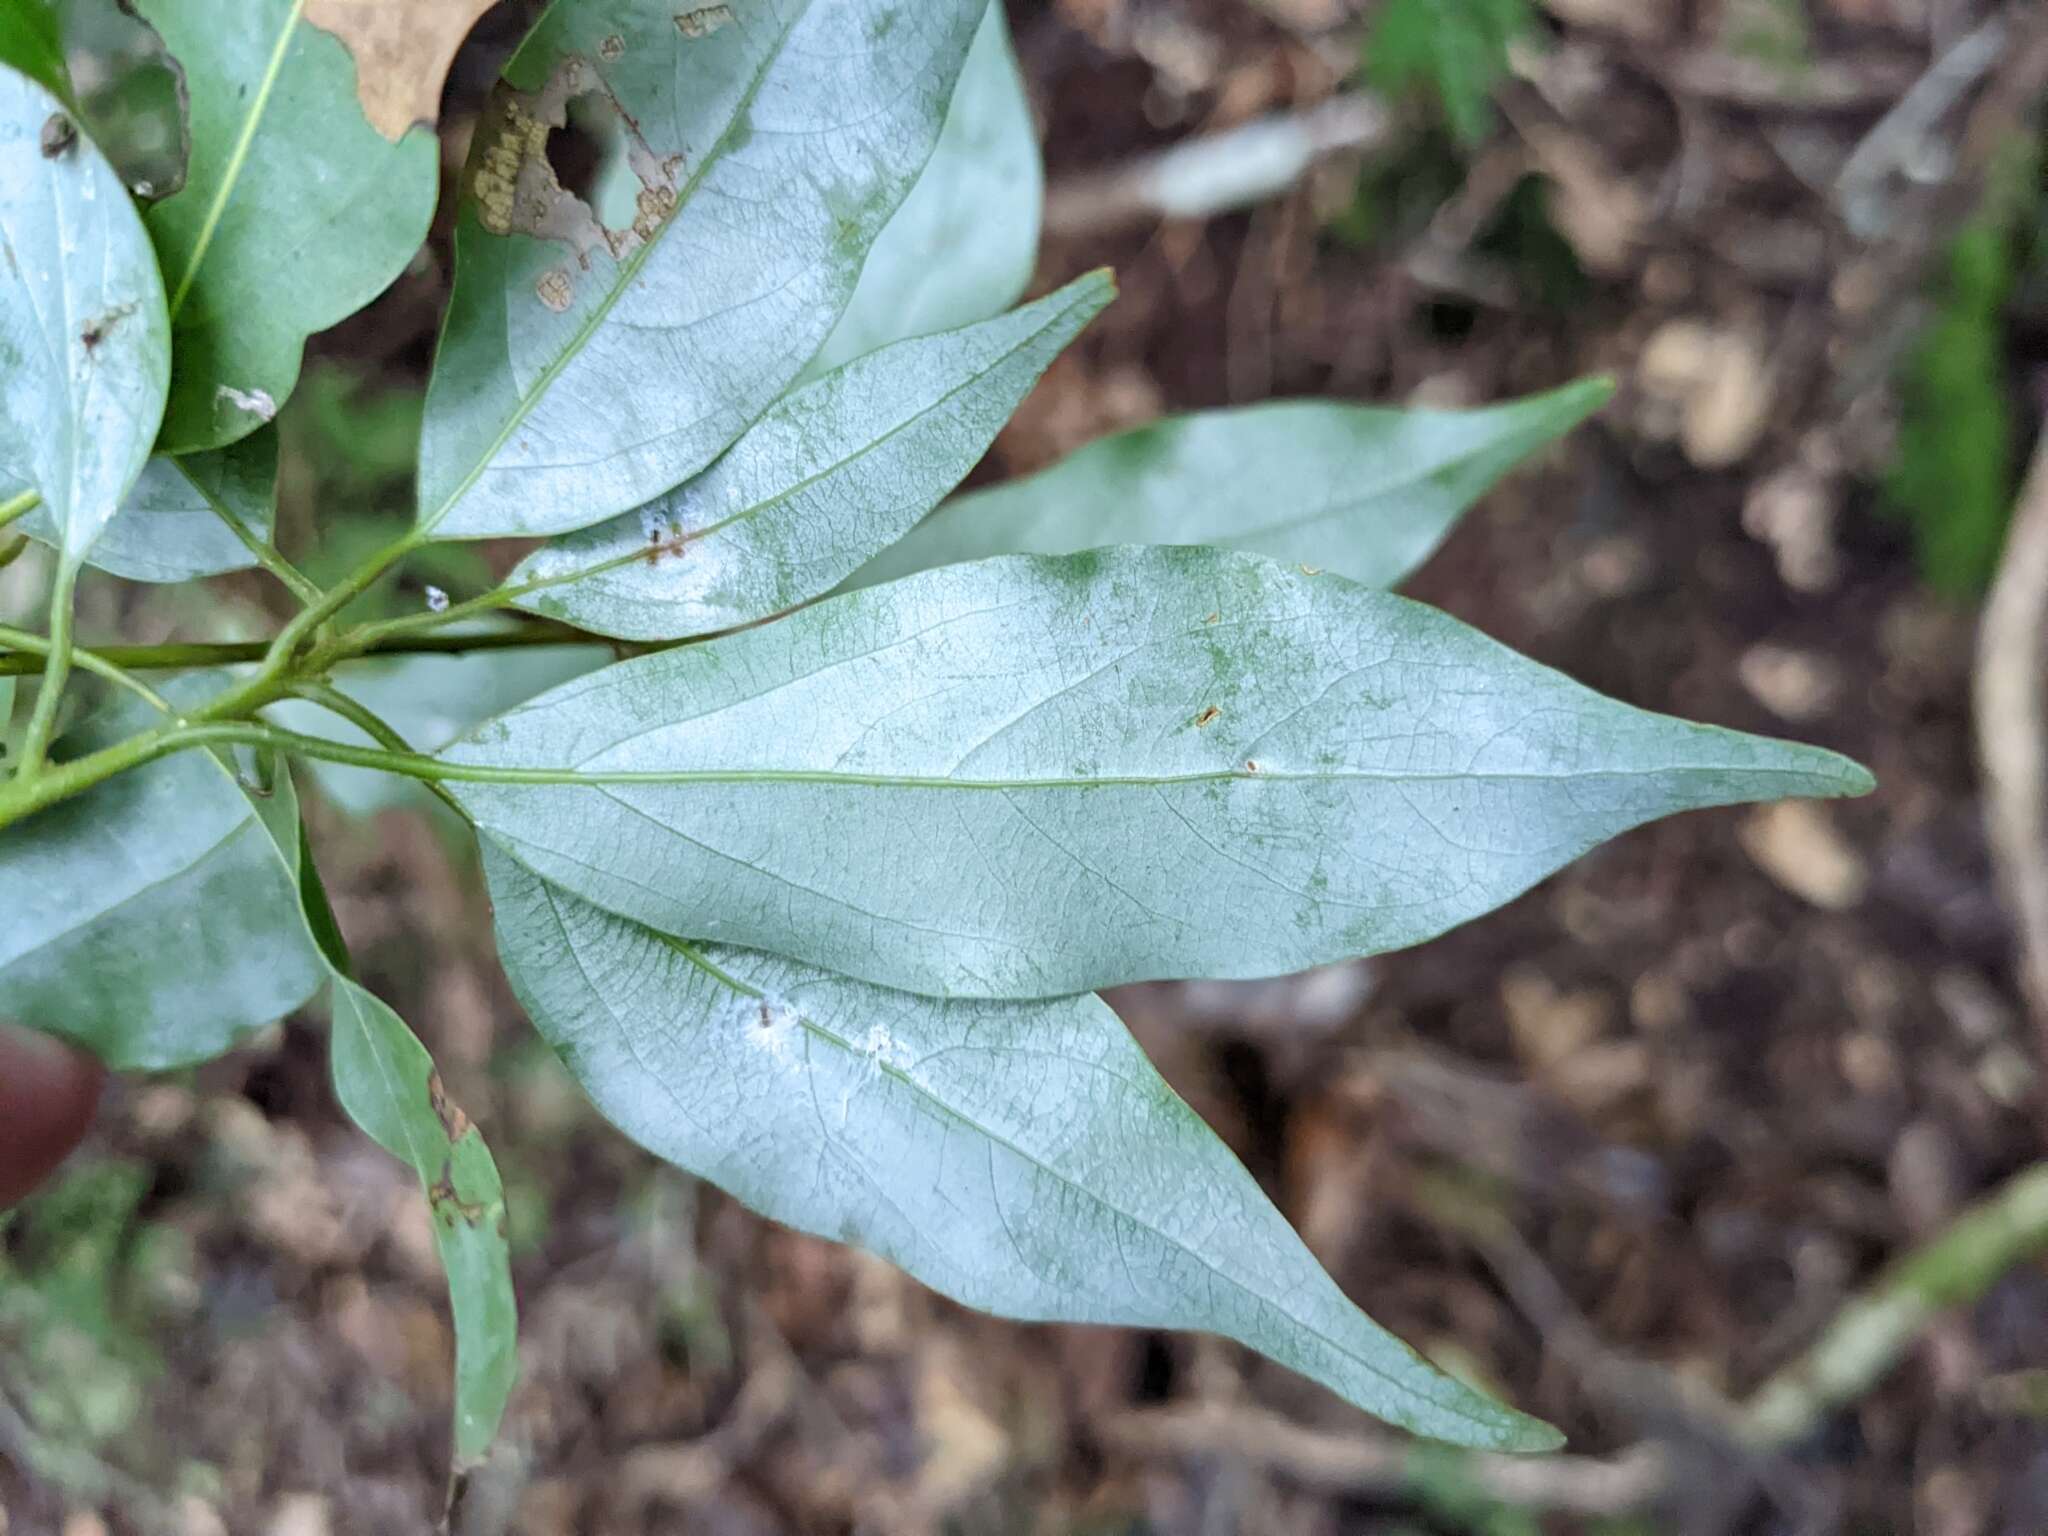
446,1110
402,49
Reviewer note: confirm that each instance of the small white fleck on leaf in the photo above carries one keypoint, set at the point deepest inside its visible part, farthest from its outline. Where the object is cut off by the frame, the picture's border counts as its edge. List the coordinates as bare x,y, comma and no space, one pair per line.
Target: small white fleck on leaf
254,402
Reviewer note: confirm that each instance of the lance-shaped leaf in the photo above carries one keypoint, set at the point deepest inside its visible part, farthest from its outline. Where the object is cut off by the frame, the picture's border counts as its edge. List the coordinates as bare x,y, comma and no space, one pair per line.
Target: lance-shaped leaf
1020,1157
152,919
586,369
832,474
294,214
1028,777
1365,492
84,344
179,520
964,242
386,1081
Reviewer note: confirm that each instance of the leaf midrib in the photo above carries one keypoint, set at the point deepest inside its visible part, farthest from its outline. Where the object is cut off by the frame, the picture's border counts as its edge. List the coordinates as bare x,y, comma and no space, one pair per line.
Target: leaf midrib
238,157
484,773
638,552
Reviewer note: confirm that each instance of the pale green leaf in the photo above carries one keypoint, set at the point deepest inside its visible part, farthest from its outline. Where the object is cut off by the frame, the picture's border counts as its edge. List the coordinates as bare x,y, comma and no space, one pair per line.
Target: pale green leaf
963,245
152,919
84,345
1020,1157
295,212
174,526
386,1081
834,473
1364,492
584,370
1028,777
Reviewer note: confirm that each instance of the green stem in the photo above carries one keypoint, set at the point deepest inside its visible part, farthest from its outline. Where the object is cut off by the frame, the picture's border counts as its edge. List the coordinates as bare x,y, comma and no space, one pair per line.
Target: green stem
296,581
85,661
56,671
19,505
379,730
159,658
2008,1227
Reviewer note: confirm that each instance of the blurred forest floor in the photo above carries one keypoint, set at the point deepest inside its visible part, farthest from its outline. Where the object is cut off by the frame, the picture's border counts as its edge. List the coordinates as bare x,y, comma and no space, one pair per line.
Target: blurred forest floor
1620,1150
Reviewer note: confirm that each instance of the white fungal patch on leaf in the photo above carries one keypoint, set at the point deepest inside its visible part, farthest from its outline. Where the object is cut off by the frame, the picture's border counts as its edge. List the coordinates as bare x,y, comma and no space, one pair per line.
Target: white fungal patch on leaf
251,402
771,1026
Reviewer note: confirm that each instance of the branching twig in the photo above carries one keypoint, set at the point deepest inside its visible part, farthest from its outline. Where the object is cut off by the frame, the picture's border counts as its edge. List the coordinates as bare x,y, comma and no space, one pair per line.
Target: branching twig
1876,1327
2012,740
1216,172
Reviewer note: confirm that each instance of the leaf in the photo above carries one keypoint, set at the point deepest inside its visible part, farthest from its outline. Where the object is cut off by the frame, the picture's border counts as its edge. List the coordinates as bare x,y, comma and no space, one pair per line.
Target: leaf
429,700
1029,777
833,474
1364,492
963,245
402,49
84,346
584,370
294,214
31,42
1023,1158
161,926
386,1081
1458,48
173,526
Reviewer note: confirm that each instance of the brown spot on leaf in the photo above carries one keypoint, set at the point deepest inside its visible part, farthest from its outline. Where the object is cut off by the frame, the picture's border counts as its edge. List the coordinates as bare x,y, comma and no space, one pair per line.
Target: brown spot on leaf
402,50
662,545
446,1110
59,134
703,21
1208,716
612,49
447,1201
555,289
97,329
1251,766
517,188
1214,618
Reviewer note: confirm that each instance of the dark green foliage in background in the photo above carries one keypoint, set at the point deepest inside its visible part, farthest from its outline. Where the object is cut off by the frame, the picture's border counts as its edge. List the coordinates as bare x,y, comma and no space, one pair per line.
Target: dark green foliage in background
1957,462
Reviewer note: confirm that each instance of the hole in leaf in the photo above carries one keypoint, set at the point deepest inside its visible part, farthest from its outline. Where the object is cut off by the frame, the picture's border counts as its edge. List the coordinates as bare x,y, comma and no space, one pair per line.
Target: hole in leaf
131,94
588,154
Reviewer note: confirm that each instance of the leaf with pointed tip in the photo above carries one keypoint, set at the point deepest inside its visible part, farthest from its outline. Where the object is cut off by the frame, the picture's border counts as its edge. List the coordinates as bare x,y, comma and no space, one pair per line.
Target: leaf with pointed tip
1365,492
833,473
159,924
1020,1157
584,370
962,246
294,214
174,524
84,343
386,1081
1027,777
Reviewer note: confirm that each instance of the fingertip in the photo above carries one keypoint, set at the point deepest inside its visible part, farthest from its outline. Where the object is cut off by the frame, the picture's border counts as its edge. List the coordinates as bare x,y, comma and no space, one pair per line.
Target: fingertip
49,1092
